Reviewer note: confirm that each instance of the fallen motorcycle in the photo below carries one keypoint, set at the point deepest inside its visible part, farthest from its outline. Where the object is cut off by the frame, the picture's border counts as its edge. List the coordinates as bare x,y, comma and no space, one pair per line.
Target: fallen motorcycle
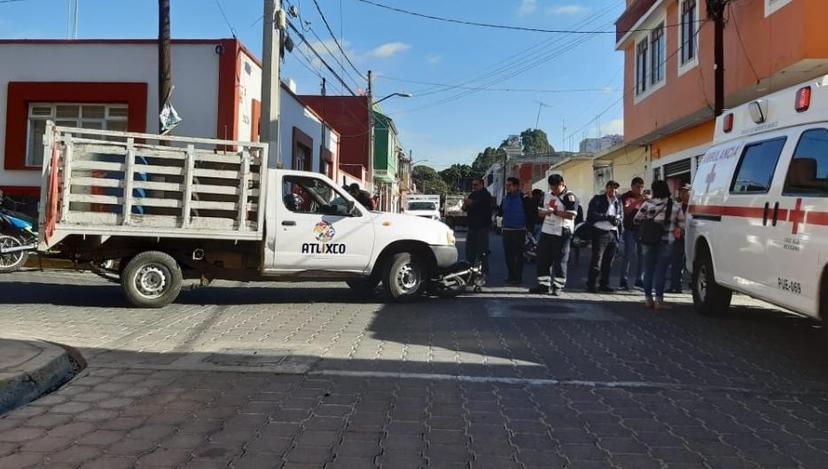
459,278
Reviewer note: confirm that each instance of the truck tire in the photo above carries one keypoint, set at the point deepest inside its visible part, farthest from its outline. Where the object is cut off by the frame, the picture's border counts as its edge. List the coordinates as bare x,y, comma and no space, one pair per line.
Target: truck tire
14,261
709,298
404,278
152,279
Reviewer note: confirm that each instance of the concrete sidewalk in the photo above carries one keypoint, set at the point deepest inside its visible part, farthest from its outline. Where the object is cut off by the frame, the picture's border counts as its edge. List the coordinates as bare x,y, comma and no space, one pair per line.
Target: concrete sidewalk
30,368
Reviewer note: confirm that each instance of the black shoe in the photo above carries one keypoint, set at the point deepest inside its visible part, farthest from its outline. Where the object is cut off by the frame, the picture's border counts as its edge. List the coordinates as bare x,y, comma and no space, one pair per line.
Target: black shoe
639,284
606,289
624,286
555,291
539,290
514,282
590,289
674,290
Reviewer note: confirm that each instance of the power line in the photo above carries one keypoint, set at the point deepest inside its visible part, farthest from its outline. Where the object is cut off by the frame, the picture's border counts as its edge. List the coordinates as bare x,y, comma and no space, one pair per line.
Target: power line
512,90
333,36
339,78
338,62
11,1
226,21
504,26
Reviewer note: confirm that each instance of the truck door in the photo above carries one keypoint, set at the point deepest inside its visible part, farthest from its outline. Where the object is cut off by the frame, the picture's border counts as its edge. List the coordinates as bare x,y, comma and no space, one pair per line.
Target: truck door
315,230
746,211
797,233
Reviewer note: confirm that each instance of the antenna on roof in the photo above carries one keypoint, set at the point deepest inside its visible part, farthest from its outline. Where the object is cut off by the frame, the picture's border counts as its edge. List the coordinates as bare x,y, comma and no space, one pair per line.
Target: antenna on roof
72,13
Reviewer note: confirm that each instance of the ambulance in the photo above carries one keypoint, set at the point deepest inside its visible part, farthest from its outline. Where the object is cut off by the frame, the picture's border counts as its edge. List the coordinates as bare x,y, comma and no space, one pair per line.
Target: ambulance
758,221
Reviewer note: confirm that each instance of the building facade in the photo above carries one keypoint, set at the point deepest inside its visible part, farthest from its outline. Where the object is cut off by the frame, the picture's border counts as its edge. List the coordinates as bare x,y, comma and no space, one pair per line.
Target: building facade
112,85
387,152
669,74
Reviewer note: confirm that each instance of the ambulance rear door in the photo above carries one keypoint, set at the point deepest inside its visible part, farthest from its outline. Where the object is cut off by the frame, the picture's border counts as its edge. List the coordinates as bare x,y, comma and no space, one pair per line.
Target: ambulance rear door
797,241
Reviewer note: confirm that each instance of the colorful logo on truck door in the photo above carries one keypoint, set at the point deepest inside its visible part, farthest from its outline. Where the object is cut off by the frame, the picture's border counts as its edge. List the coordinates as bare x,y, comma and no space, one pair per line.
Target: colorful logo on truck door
324,232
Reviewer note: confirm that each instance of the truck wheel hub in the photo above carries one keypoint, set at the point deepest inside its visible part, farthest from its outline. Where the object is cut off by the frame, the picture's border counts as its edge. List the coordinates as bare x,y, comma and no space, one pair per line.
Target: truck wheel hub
408,277
151,281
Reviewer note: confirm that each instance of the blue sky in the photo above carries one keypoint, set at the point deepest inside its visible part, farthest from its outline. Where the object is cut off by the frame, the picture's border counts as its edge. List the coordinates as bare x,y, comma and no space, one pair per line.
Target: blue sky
441,125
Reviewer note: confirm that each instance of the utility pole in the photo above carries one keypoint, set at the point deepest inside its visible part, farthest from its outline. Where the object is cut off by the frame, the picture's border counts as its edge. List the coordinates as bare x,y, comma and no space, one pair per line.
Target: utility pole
322,161
271,86
164,55
370,130
715,12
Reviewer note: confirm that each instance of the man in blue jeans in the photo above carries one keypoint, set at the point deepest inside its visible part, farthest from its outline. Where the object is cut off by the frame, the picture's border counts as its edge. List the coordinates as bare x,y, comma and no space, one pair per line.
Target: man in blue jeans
479,208
632,201
677,260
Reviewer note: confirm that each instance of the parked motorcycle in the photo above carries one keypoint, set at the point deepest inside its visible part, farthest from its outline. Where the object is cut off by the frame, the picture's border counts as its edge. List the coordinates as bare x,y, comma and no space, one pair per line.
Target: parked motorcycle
17,236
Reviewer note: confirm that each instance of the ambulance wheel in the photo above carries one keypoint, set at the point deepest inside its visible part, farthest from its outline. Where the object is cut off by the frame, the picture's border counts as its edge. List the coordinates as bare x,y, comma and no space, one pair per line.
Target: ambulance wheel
152,279
709,298
405,278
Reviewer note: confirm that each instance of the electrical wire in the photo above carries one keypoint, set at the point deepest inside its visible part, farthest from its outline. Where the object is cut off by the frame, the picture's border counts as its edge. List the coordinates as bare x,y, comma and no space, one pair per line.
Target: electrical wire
333,72
338,62
226,21
333,36
742,43
513,90
503,26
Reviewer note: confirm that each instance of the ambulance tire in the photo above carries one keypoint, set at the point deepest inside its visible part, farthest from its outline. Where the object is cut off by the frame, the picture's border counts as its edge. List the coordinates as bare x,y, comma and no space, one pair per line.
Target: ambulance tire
404,278
151,279
709,298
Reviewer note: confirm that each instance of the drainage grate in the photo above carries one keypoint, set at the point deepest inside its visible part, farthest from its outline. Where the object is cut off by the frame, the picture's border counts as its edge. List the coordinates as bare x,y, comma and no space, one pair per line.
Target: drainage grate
249,357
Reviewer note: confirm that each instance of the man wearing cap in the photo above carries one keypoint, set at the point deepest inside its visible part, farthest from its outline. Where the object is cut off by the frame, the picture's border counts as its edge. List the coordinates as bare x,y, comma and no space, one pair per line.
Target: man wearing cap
606,214
560,206
677,259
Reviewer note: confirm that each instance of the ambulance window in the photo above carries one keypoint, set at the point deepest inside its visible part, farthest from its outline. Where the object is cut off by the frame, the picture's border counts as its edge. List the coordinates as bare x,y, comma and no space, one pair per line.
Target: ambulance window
755,171
808,173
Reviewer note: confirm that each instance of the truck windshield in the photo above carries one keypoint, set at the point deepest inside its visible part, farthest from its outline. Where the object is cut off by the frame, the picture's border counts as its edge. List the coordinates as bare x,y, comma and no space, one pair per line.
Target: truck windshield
422,206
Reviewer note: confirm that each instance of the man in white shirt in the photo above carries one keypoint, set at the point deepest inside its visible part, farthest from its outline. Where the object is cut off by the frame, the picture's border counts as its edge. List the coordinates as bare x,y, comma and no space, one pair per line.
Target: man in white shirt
560,206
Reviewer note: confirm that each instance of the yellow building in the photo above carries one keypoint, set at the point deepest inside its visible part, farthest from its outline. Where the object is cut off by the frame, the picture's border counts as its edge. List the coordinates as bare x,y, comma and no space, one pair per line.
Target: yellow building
620,163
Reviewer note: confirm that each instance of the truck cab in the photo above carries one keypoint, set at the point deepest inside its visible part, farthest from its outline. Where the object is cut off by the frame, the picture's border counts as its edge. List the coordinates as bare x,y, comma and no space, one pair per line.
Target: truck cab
758,220
423,205
163,209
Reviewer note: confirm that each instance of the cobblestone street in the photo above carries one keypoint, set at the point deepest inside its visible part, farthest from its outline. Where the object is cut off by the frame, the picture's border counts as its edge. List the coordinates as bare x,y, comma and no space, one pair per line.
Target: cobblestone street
309,375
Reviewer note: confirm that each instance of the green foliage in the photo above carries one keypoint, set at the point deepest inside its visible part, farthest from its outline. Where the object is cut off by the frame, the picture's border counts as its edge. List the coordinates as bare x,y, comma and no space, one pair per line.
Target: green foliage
428,181
457,177
535,141
485,159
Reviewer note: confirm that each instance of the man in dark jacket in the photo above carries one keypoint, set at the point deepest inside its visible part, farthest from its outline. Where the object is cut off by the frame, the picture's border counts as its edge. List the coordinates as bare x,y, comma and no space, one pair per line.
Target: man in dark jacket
478,205
606,214
363,197
518,213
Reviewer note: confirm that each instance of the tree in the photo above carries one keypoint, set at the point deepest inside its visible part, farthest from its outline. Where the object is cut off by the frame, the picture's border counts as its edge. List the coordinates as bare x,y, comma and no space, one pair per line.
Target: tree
428,181
535,141
457,177
485,159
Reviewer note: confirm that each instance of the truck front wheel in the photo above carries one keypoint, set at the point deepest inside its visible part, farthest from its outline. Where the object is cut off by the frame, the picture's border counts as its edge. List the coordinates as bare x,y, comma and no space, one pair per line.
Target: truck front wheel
709,298
405,278
151,279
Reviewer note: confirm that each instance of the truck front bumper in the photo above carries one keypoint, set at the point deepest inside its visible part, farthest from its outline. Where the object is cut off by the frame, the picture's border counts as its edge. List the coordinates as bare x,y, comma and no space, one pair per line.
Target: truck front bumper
446,256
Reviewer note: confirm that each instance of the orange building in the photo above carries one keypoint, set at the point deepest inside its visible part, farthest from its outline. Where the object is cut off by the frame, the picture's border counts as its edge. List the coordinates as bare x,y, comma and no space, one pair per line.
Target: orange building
669,69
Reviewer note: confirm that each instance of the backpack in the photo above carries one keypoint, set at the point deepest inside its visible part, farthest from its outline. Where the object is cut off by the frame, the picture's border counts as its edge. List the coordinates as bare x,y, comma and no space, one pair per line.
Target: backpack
650,232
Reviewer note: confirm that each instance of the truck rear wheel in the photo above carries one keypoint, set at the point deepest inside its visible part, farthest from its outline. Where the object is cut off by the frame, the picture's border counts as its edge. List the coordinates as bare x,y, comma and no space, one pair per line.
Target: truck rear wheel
405,278
152,279
709,298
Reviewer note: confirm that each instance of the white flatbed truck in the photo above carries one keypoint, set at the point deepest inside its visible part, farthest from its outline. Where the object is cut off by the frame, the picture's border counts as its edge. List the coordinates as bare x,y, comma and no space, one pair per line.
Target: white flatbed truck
171,208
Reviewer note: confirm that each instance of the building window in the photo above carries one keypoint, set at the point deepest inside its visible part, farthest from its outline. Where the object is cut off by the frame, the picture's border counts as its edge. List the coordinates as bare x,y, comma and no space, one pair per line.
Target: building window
771,6
641,67
302,151
657,54
87,116
689,17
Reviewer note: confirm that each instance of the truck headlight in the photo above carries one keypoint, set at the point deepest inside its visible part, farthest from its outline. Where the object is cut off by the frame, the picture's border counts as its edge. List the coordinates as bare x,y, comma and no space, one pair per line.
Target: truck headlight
450,239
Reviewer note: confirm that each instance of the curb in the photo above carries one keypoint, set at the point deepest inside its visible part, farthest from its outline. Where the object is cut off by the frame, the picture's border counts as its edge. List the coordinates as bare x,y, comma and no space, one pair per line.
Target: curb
45,372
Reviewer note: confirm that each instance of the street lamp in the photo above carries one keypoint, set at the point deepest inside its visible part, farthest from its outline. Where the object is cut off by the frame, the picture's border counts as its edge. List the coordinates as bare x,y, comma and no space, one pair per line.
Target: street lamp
402,95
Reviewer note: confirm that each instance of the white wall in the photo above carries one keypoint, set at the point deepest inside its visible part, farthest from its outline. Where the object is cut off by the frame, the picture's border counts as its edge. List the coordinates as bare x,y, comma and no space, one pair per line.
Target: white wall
250,88
194,70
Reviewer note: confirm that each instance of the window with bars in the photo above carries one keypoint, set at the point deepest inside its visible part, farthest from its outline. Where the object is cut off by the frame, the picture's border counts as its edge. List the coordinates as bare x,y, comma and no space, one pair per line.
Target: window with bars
88,116
657,54
641,67
689,17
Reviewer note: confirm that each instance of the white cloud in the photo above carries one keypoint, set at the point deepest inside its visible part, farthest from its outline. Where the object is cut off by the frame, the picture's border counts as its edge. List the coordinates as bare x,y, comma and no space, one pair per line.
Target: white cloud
527,7
434,59
566,10
615,126
388,50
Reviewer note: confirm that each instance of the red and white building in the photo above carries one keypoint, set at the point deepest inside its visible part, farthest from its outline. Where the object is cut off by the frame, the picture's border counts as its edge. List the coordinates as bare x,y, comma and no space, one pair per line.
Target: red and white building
113,85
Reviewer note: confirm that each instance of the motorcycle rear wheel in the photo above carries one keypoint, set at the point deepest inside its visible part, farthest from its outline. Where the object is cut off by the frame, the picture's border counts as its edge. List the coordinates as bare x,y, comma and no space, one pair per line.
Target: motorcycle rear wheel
14,261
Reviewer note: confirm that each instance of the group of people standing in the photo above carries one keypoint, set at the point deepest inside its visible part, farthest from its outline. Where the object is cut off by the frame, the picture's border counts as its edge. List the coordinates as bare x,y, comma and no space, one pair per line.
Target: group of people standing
648,229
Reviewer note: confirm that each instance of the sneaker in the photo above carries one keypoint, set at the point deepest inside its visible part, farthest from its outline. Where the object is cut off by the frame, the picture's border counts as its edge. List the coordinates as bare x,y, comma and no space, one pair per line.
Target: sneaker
660,306
539,290
606,289
555,291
